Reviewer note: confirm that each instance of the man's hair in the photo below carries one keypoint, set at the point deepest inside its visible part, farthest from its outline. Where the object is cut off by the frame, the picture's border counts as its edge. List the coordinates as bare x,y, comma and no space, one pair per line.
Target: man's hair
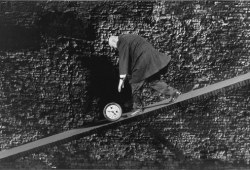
112,39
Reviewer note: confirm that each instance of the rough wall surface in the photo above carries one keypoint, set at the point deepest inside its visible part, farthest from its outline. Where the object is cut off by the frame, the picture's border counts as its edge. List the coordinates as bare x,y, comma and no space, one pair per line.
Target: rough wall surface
57,72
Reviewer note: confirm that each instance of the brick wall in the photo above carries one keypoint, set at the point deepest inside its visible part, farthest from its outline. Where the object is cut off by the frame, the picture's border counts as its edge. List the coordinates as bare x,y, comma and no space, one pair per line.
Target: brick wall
51,83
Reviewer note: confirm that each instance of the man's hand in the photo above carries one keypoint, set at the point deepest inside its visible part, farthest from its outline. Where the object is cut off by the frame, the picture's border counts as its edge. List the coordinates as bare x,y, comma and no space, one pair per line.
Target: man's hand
121,82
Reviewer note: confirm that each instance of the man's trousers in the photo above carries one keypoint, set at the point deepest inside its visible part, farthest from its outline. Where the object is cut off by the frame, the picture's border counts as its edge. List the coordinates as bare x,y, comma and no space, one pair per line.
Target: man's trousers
153,82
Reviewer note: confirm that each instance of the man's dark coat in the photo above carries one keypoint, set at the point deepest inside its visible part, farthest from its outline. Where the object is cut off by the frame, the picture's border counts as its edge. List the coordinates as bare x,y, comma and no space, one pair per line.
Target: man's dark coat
139,58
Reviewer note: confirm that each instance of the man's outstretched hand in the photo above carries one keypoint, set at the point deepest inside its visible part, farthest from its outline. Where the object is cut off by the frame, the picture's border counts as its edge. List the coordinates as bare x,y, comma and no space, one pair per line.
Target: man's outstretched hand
121,82
121,85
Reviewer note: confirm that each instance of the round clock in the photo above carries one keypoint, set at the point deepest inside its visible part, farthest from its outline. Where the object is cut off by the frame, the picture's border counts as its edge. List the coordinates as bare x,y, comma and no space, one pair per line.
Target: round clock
112,111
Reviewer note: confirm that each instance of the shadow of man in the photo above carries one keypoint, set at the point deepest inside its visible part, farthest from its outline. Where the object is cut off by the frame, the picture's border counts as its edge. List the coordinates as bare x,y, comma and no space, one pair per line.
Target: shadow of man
103,85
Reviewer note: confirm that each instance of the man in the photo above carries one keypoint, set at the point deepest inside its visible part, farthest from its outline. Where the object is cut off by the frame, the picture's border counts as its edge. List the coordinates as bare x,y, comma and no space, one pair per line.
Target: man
141,62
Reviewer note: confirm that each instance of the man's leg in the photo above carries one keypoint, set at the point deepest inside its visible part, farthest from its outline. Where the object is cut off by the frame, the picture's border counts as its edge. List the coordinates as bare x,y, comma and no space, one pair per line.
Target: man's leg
163,88
137,98
136,94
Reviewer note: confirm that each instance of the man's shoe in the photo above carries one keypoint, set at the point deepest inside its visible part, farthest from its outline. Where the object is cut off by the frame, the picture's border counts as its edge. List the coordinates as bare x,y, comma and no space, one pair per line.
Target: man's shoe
135,112
174,96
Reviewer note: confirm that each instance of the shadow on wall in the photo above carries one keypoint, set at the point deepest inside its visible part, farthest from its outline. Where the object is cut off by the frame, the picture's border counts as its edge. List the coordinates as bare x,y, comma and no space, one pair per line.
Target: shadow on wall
54,24
103,84
51,24
15,38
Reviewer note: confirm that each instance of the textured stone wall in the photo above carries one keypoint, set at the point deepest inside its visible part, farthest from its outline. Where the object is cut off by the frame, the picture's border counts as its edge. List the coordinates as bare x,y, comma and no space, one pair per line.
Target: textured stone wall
57,72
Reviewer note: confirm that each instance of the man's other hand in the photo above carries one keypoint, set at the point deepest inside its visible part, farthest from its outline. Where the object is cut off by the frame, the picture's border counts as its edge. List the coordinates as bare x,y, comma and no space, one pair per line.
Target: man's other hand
121,85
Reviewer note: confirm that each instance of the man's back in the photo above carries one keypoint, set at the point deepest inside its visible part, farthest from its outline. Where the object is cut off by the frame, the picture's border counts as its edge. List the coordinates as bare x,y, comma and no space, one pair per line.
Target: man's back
139,58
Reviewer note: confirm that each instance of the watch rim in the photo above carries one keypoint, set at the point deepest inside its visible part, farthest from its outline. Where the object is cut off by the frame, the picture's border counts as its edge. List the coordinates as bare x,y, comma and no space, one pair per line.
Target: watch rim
107,105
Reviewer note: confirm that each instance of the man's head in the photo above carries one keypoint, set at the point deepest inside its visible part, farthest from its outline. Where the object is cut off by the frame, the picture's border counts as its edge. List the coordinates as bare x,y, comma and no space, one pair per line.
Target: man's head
113,41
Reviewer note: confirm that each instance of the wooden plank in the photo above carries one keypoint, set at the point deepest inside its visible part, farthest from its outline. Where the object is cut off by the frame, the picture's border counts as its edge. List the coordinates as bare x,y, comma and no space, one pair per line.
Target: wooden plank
51,140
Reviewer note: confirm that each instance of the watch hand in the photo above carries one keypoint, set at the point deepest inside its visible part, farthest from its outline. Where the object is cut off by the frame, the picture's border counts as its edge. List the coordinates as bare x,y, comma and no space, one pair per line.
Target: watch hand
112,112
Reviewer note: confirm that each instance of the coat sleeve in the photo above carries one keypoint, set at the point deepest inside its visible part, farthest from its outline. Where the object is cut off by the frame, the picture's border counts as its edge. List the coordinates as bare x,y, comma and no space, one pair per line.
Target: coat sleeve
123,58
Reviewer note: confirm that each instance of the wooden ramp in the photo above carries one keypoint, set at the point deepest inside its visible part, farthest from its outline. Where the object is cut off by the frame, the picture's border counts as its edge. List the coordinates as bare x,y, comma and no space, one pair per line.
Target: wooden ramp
67,136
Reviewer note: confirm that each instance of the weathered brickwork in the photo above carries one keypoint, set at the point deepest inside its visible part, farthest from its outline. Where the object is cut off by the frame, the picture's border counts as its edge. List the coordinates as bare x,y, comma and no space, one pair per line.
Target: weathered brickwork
60,77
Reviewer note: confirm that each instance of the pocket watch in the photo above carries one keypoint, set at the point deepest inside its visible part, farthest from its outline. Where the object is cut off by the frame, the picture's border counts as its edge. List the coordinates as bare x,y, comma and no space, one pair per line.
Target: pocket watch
112,111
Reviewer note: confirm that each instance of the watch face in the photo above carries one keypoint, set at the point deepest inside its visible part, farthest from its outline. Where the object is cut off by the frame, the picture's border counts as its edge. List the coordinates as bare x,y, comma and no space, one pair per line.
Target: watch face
112,111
